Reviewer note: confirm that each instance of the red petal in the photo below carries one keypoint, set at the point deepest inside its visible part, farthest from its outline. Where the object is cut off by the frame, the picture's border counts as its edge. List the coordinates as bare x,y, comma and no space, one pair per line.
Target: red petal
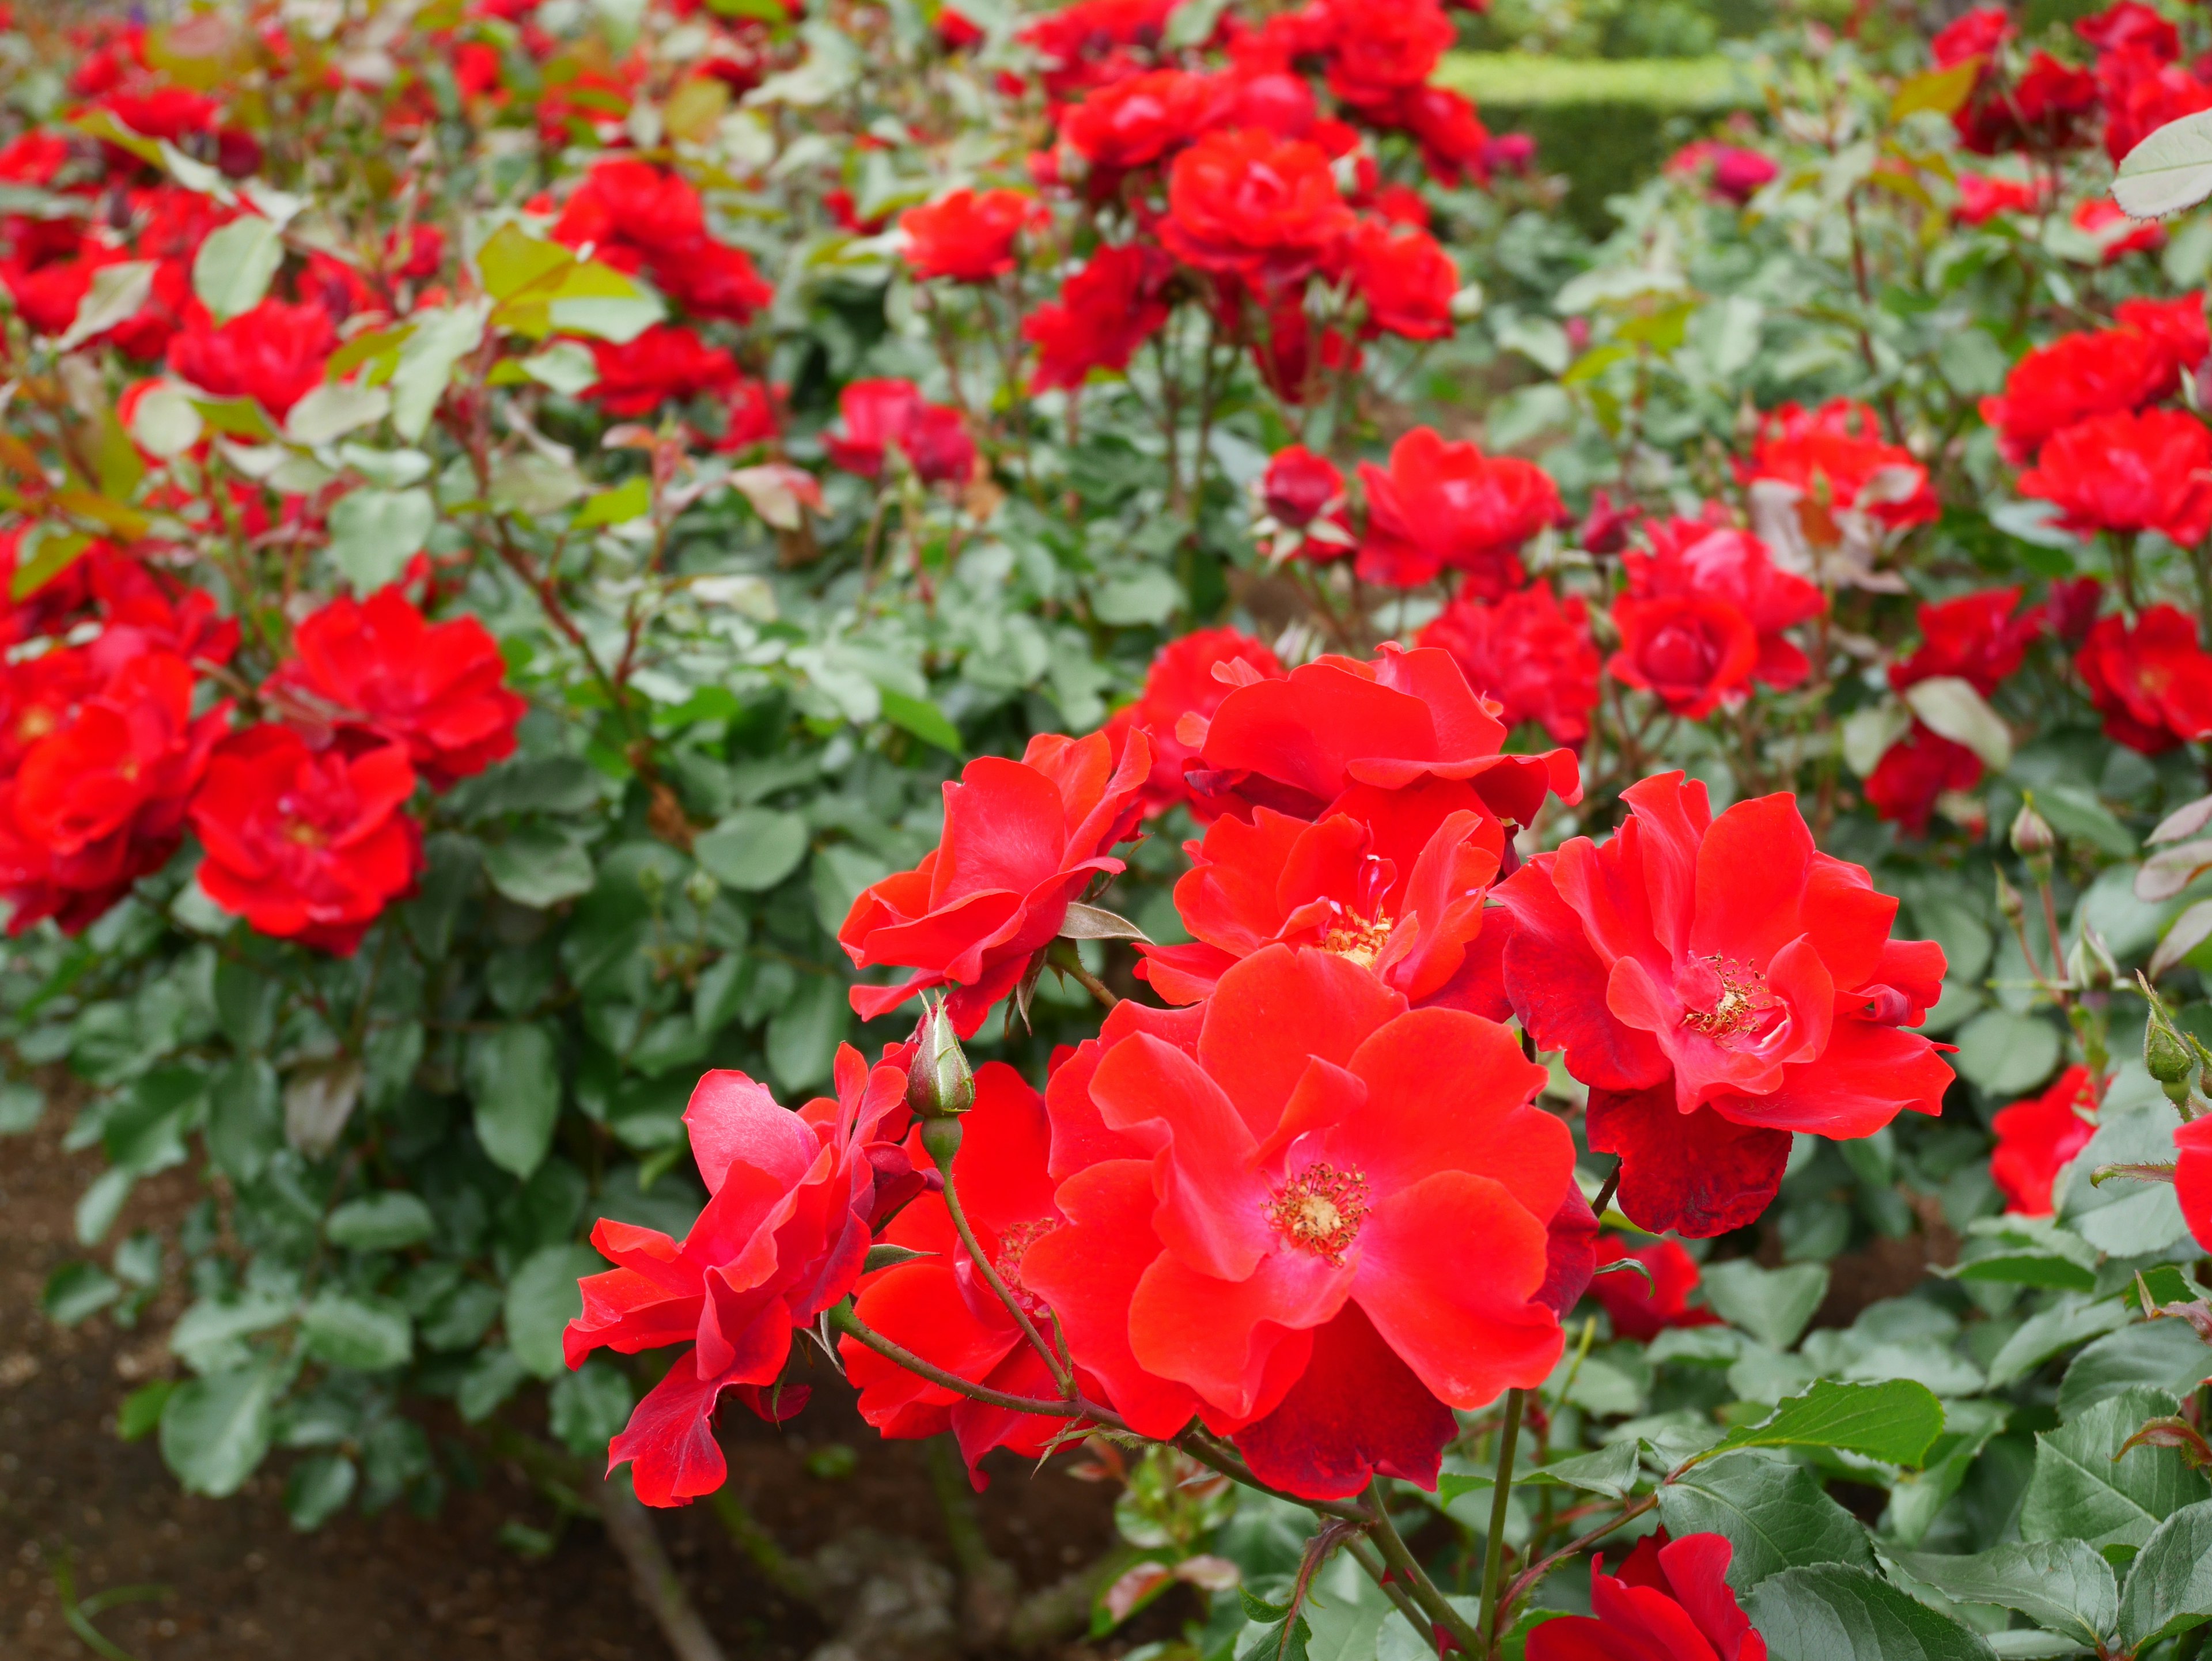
1558,985
1212,1205
669,1443
1696,1173
731,1117
1866,1077
1696,1569
1357,1411
1325,1004
1750,878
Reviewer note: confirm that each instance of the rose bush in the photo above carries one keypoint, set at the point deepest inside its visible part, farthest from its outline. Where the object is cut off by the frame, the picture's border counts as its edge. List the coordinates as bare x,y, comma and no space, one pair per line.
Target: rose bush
577,578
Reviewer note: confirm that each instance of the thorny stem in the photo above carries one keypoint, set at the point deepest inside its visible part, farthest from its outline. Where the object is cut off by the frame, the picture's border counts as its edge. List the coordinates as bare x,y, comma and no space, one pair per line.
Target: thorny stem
941,1149
1605,1194
1368,1558
1493,1557
1434,1604
1063,958
1542,1566
843,1318
1218,1456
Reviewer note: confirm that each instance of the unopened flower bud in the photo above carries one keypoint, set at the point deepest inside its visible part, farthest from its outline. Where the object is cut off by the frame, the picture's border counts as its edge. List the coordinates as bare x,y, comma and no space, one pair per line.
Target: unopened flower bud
939,1083
701,888
652,883
2168,1056
2013,908
2032,838
2089,966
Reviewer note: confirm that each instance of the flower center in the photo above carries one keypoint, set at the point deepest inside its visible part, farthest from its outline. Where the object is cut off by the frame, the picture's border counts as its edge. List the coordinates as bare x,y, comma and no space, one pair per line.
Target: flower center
1321,1209
1014,1244
1357,938
35,724
305,835
1740,1004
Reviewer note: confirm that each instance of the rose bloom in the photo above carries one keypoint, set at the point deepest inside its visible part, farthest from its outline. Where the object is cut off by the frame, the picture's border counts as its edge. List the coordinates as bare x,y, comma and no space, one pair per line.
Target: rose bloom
1104,313
1914,775
1530,653
307,845
1379,53
667,362
1835,459
98,793
1189,676
1298,485
2142,92
2114,230
634,215
1692,652
273,354
1325,1225
1407,280
1719,983
439,689
784,1234
1700,559
2036,1137
2192,1177
1730,172
1982,197
2151,471
2076,377
1297,745
1445,503
1022,841
879,415
2129,24
2151,683
1671,1602
1248,204
1393,879
1096,42
940,1307
1641,1310
1136,122
968,235
1975,637
1294,350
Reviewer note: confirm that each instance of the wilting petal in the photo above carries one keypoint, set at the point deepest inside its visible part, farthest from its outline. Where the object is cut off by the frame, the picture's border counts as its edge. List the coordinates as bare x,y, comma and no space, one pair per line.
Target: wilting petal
1696,1174
1357,1411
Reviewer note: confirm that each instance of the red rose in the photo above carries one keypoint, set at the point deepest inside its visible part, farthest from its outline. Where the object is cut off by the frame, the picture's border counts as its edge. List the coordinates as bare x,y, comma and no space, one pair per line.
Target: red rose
1297,745
2076,377
968,236
1297,349
1530,653
2151,471
1915,773
1356,1197
1407,280
2192,1177
1392,880
2130,24
939,1306
2036,1137
1981,197
2153,683
99,795
1696,558
1456,148
879,415
2142,93
667,362
633,214
1095,42
1643,1310
307,845
1671,1603
2178,325
439,689
1975,638
1445,503
1248,202
1298,485
1692,652
1022,841
1979,34
1380,52
2110,227
1137,121
783,1236
1104,313
1730,170
1190,676
1718,983
273,354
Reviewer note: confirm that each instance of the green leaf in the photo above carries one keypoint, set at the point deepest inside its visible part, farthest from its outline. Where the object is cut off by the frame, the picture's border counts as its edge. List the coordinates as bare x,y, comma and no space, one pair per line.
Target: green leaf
117,292
440,340
1835,1613
208,1337
245,1118
2168,171
840,871
2075,813
369,1335
1772,1305
1773,1513
542,1298
516,1081
921,718
77,1290
539,867
381,1222
1942,90
2061,1585
333,410
1611,1471
512,260
2169,1586
216,1430
588,1409
753,849
491,1376
318,1489
21,1106
2163,1355
2083,1487
232,271
1896,1421
2002,1054
374,533
803,1036
631,499
2072,1320
140,1415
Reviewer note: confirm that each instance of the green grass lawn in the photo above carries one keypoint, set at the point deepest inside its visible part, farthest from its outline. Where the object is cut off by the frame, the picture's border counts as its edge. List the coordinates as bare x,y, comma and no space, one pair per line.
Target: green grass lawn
1518,80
